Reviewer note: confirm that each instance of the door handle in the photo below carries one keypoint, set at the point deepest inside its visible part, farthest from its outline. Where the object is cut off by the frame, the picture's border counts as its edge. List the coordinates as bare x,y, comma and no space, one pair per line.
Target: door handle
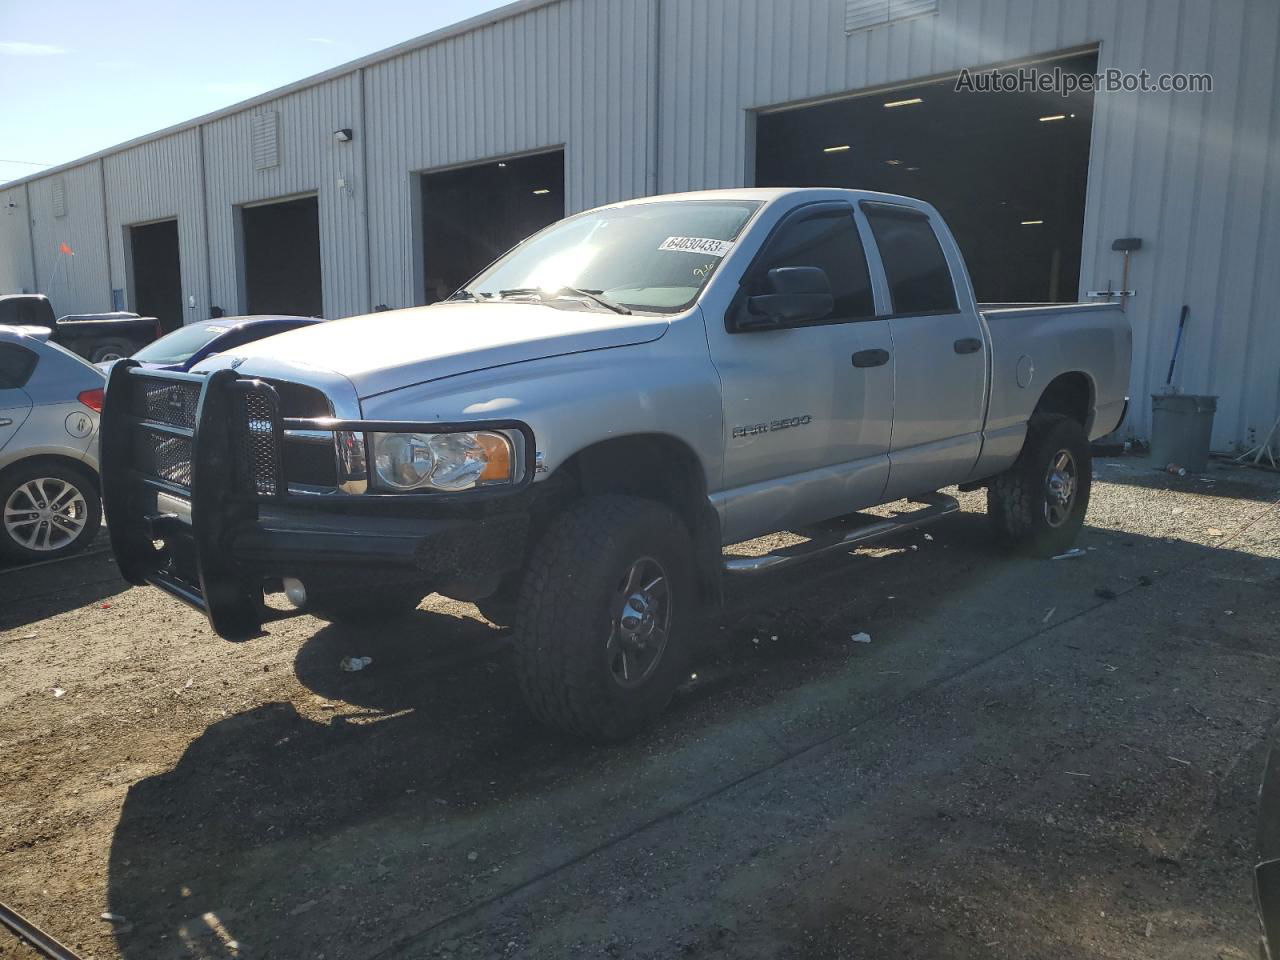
968,345
871,358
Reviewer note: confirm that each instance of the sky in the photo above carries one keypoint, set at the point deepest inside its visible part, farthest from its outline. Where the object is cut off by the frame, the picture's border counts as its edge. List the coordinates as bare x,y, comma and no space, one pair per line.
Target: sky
79,76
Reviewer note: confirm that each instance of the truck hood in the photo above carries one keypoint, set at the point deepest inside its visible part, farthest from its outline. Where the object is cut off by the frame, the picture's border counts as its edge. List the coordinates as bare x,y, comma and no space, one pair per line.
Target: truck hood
399,348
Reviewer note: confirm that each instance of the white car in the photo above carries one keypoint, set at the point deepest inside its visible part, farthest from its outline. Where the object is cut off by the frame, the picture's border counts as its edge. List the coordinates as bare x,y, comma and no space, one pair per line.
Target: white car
49,405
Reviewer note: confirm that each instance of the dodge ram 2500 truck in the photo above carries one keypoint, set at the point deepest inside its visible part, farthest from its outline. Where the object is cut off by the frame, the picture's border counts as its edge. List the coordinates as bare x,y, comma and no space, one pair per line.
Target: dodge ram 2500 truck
572,439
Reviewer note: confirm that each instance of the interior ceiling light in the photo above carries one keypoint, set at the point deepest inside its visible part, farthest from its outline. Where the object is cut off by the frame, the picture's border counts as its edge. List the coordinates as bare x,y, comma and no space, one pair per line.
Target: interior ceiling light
540,191
501,165
1056,116
913,169
841,148
894,163
1031,223
905,103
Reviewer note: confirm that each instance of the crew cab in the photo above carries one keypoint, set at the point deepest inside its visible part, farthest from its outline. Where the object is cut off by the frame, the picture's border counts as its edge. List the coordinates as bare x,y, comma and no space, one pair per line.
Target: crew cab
97,337
573,439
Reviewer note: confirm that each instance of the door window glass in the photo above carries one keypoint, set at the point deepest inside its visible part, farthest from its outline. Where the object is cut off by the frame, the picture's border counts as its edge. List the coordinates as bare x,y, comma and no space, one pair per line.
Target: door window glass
828,239
16,365
914,265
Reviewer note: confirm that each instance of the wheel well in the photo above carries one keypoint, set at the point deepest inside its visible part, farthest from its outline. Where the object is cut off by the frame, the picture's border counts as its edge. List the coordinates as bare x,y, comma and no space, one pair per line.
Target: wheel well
656,467
53,458
1070,395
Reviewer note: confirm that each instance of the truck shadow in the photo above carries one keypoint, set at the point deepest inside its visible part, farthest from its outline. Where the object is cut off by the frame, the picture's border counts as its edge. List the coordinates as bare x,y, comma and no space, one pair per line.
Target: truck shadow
34,592
420,787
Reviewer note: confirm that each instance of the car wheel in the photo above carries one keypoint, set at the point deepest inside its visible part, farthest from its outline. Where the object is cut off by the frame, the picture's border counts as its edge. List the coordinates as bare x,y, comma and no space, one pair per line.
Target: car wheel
49,509
109,350
1040,502
601,618
363,606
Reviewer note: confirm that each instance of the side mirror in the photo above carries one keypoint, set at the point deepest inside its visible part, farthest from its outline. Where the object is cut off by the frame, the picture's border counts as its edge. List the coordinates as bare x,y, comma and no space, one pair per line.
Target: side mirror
796,295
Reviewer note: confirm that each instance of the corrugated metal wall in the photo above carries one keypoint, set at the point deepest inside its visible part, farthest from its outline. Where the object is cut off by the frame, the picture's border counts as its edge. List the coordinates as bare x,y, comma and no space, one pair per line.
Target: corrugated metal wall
1196,176
78,282
15,242
310,161
660,95
158,181
571,74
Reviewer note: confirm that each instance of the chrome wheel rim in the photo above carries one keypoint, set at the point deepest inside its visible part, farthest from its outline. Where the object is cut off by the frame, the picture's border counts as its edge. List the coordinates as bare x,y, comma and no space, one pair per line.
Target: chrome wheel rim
45,514
640,623
1060,485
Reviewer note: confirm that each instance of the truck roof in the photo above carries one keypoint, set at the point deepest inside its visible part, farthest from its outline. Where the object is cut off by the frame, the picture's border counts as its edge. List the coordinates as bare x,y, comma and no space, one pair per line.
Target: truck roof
767,194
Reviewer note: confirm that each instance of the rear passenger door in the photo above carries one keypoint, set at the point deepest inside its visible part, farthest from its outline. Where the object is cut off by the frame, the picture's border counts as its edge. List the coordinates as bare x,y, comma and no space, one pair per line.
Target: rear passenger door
940,355
16,366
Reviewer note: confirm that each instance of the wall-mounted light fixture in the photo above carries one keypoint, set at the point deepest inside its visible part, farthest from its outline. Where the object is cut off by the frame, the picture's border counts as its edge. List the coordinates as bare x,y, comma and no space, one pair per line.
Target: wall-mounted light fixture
838,148
541,192
343,135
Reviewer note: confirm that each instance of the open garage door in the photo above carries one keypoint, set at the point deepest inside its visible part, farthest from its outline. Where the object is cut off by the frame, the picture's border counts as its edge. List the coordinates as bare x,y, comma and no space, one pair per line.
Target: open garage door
471,215
1007,170
282,257
155,272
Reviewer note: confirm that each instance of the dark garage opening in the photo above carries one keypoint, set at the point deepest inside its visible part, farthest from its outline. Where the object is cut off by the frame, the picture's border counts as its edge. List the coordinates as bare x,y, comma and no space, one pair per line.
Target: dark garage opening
1006,170
472,215
282,257
157,272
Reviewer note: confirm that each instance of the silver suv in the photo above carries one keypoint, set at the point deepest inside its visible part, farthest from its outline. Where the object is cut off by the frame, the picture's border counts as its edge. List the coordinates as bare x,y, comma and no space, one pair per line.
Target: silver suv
49,405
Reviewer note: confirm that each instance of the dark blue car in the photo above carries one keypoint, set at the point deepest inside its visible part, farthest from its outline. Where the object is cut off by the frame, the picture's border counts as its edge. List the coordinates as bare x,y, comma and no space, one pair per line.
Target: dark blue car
185,347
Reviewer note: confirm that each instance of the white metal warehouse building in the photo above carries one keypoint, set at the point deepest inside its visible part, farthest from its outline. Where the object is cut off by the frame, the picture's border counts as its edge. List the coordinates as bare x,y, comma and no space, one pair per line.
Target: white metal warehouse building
381,183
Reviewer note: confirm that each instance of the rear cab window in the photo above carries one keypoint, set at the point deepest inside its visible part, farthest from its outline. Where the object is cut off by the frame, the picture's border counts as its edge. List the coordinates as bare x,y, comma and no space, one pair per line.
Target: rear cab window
915,267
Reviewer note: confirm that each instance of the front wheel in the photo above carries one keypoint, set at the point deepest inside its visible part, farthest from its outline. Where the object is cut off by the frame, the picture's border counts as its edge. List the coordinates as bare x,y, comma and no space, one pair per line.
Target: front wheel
1039,503
602,615
50,510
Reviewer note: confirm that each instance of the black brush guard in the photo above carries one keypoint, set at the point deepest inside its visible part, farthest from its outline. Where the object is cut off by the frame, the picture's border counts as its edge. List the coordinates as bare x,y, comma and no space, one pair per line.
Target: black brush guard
194,490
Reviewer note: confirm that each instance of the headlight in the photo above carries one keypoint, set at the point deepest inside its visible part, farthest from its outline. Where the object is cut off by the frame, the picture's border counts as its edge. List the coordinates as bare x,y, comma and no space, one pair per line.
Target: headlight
443,461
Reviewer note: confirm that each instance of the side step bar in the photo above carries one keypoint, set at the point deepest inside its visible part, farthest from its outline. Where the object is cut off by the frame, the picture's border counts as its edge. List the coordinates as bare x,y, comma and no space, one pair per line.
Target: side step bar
937,505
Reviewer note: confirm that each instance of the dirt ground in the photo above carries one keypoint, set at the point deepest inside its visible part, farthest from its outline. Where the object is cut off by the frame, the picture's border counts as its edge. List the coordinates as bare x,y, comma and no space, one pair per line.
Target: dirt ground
1031,758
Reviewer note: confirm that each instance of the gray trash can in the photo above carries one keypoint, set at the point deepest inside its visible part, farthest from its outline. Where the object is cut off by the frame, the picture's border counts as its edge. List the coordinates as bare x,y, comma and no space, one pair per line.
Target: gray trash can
1181,425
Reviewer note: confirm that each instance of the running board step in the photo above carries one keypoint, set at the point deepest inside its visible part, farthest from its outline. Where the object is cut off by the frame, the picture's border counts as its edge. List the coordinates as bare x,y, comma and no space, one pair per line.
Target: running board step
936,506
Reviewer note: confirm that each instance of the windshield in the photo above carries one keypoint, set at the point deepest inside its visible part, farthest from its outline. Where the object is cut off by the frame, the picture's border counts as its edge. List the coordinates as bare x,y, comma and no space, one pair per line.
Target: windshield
177,347
647,256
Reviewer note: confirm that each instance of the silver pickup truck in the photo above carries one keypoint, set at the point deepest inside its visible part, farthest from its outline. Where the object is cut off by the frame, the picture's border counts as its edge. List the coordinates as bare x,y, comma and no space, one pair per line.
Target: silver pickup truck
571,440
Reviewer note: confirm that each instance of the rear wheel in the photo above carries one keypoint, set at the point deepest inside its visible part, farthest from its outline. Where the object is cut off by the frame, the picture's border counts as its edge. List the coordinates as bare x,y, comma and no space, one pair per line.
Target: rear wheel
600,626
110,349
1040,502
49,509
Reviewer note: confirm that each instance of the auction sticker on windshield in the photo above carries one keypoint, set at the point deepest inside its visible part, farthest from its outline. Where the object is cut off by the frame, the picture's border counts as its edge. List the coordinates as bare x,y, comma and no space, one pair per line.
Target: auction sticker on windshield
715,248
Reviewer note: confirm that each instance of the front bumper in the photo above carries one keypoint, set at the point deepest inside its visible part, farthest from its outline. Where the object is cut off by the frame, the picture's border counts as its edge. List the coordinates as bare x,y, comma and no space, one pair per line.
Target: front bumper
195,489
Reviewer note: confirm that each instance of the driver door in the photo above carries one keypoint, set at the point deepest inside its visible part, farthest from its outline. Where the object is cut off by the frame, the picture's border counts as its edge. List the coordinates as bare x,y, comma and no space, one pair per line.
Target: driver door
808,406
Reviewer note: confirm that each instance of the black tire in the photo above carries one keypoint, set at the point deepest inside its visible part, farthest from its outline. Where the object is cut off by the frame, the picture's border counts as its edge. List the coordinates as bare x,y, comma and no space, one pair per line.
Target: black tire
112,349
25,541
1025,503
571,645
363,606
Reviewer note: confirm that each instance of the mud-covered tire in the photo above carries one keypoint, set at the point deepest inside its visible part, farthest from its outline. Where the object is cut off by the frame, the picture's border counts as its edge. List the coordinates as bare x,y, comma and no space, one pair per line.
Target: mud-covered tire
571,610
1022,506
73,518
356,607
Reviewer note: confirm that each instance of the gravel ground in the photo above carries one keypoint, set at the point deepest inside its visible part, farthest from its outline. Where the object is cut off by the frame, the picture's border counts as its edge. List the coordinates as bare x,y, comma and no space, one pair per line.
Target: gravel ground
1031,758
